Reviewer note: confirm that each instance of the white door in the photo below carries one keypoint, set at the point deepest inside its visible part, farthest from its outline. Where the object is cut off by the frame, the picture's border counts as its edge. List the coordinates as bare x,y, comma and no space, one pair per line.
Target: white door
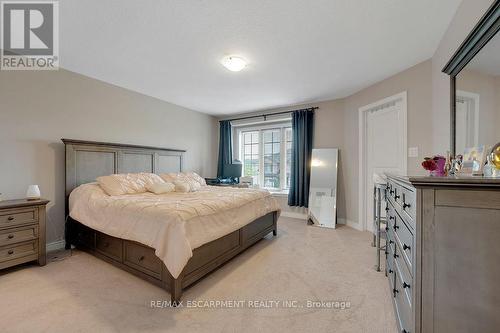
385,148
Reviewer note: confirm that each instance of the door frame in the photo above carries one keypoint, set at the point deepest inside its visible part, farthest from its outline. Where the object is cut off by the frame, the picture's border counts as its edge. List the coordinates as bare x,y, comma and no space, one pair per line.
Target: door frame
474,98
363,111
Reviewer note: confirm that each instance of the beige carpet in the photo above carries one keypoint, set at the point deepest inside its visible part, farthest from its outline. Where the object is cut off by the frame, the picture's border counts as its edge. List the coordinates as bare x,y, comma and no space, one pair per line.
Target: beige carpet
84,294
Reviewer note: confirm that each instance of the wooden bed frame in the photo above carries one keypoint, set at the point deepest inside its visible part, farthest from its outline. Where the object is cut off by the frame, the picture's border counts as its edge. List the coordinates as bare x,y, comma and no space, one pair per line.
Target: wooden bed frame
87,160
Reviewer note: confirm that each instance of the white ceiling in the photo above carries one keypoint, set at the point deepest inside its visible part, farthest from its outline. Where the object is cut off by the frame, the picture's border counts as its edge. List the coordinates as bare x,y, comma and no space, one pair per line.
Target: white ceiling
299,50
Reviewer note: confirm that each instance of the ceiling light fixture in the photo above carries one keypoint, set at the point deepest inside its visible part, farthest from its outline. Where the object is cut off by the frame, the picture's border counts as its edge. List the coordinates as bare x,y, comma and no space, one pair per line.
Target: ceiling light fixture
234,63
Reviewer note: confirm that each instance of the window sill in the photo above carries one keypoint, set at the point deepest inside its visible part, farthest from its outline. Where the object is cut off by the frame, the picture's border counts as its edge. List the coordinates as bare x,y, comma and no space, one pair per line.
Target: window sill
278,193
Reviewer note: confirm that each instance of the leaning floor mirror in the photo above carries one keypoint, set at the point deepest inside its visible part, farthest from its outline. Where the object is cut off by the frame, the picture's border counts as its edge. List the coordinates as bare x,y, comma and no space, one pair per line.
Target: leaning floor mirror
323,187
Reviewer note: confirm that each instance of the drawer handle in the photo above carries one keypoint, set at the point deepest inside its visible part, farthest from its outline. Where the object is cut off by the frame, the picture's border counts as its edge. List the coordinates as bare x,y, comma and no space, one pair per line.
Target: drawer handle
391,241
10,252
405,331
10,236
396,255
386,228
386,253
391,271
405,285
405,205
386,209
396,227
10,218
406,247
397,196
391,192
395,291
141,258
392,218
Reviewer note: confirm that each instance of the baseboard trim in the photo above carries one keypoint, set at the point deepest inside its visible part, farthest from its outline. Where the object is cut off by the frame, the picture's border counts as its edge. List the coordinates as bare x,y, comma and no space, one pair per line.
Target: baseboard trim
349,223
57,245
294,215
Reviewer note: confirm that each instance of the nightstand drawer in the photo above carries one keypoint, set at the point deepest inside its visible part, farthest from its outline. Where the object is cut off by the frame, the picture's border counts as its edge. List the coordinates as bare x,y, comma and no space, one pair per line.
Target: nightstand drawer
12,218
18,250
22,234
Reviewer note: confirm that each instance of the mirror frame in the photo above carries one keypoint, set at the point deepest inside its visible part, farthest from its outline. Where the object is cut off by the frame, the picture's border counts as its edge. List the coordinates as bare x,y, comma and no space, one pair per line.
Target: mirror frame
483,32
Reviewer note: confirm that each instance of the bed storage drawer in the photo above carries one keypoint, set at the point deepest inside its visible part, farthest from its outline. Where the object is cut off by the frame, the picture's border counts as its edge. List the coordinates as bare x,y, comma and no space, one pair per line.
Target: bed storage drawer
15,217
142,258
254,229
85,236
22,234
109,246
210,251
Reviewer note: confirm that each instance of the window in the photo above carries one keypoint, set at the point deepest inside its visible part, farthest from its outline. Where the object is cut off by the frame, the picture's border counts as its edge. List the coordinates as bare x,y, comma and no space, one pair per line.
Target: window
251,154
265,152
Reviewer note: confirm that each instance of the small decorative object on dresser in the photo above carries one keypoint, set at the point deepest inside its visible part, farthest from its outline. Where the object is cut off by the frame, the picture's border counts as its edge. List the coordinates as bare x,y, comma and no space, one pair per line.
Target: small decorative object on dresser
473,161
22,232
435,165
33,192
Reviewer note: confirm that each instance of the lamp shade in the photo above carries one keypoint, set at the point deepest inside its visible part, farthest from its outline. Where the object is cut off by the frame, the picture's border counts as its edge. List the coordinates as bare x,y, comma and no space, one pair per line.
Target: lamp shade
33,192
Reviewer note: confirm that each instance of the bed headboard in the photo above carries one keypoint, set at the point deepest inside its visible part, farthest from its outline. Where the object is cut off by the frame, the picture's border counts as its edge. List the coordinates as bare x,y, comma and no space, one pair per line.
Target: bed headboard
87,160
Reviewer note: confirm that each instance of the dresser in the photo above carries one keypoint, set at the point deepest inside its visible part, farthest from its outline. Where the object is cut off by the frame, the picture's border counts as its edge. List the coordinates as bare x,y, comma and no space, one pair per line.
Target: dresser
22,232
443,254
401,250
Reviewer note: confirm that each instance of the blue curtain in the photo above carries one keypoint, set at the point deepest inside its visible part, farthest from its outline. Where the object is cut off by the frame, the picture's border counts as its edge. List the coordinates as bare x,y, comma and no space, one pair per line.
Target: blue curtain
225,146
302,135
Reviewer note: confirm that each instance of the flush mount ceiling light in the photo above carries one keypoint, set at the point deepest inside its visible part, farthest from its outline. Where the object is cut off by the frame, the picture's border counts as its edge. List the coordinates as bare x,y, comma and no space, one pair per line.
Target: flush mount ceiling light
234,63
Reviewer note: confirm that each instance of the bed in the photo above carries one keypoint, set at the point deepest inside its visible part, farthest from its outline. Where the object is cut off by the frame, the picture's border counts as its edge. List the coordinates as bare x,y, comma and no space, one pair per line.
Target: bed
211,238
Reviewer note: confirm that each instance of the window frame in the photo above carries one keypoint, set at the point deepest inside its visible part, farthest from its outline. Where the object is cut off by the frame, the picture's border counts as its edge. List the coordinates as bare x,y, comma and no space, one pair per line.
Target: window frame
260,128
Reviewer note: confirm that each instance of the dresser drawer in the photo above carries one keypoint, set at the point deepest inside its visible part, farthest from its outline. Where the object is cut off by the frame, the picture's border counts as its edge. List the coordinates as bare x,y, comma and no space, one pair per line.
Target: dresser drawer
109,246
404,238
142,258
21,234
406,280
18,250
12,218
390,266
403,308
409,203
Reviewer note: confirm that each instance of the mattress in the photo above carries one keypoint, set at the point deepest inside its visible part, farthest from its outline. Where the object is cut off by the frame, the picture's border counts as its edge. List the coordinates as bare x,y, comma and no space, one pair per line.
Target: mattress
174,224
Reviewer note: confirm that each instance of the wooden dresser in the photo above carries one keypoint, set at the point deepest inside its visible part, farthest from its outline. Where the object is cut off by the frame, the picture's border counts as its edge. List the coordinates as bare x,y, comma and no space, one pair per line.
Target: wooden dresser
443,258
22,232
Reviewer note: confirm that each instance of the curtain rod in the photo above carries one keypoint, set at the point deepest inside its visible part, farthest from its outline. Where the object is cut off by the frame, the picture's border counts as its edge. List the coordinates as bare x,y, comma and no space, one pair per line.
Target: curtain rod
270,114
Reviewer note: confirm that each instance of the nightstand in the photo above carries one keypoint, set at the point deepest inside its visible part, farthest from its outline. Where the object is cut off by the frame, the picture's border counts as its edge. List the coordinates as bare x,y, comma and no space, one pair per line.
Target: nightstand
22,232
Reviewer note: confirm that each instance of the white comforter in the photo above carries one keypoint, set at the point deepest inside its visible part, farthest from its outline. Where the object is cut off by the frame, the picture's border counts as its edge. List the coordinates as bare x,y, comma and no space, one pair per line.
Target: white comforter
174,223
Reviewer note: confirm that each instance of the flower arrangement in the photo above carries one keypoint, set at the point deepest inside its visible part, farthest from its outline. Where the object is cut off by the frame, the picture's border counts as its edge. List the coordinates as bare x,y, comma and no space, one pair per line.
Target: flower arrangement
435,165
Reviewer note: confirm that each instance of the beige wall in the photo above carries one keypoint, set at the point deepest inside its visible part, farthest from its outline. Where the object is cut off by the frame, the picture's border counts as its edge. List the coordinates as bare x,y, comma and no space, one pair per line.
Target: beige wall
37,109
487,87
336,126
416,81
468,14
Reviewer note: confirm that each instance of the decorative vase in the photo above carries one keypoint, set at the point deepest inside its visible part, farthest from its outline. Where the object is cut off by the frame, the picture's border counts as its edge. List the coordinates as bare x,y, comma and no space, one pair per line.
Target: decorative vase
440,167
33,192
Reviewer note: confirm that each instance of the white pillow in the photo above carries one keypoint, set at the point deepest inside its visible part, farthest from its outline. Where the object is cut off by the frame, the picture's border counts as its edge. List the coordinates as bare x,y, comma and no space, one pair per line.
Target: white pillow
160,188
197,177
182,186
128,183
182,177
189,177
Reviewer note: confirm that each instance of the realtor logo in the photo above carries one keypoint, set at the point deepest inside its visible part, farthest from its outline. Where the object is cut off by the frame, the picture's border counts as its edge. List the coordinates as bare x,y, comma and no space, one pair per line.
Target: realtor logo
29,35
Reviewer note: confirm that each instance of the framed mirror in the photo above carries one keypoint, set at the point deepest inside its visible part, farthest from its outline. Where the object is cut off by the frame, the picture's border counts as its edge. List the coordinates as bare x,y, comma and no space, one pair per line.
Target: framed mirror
474,72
